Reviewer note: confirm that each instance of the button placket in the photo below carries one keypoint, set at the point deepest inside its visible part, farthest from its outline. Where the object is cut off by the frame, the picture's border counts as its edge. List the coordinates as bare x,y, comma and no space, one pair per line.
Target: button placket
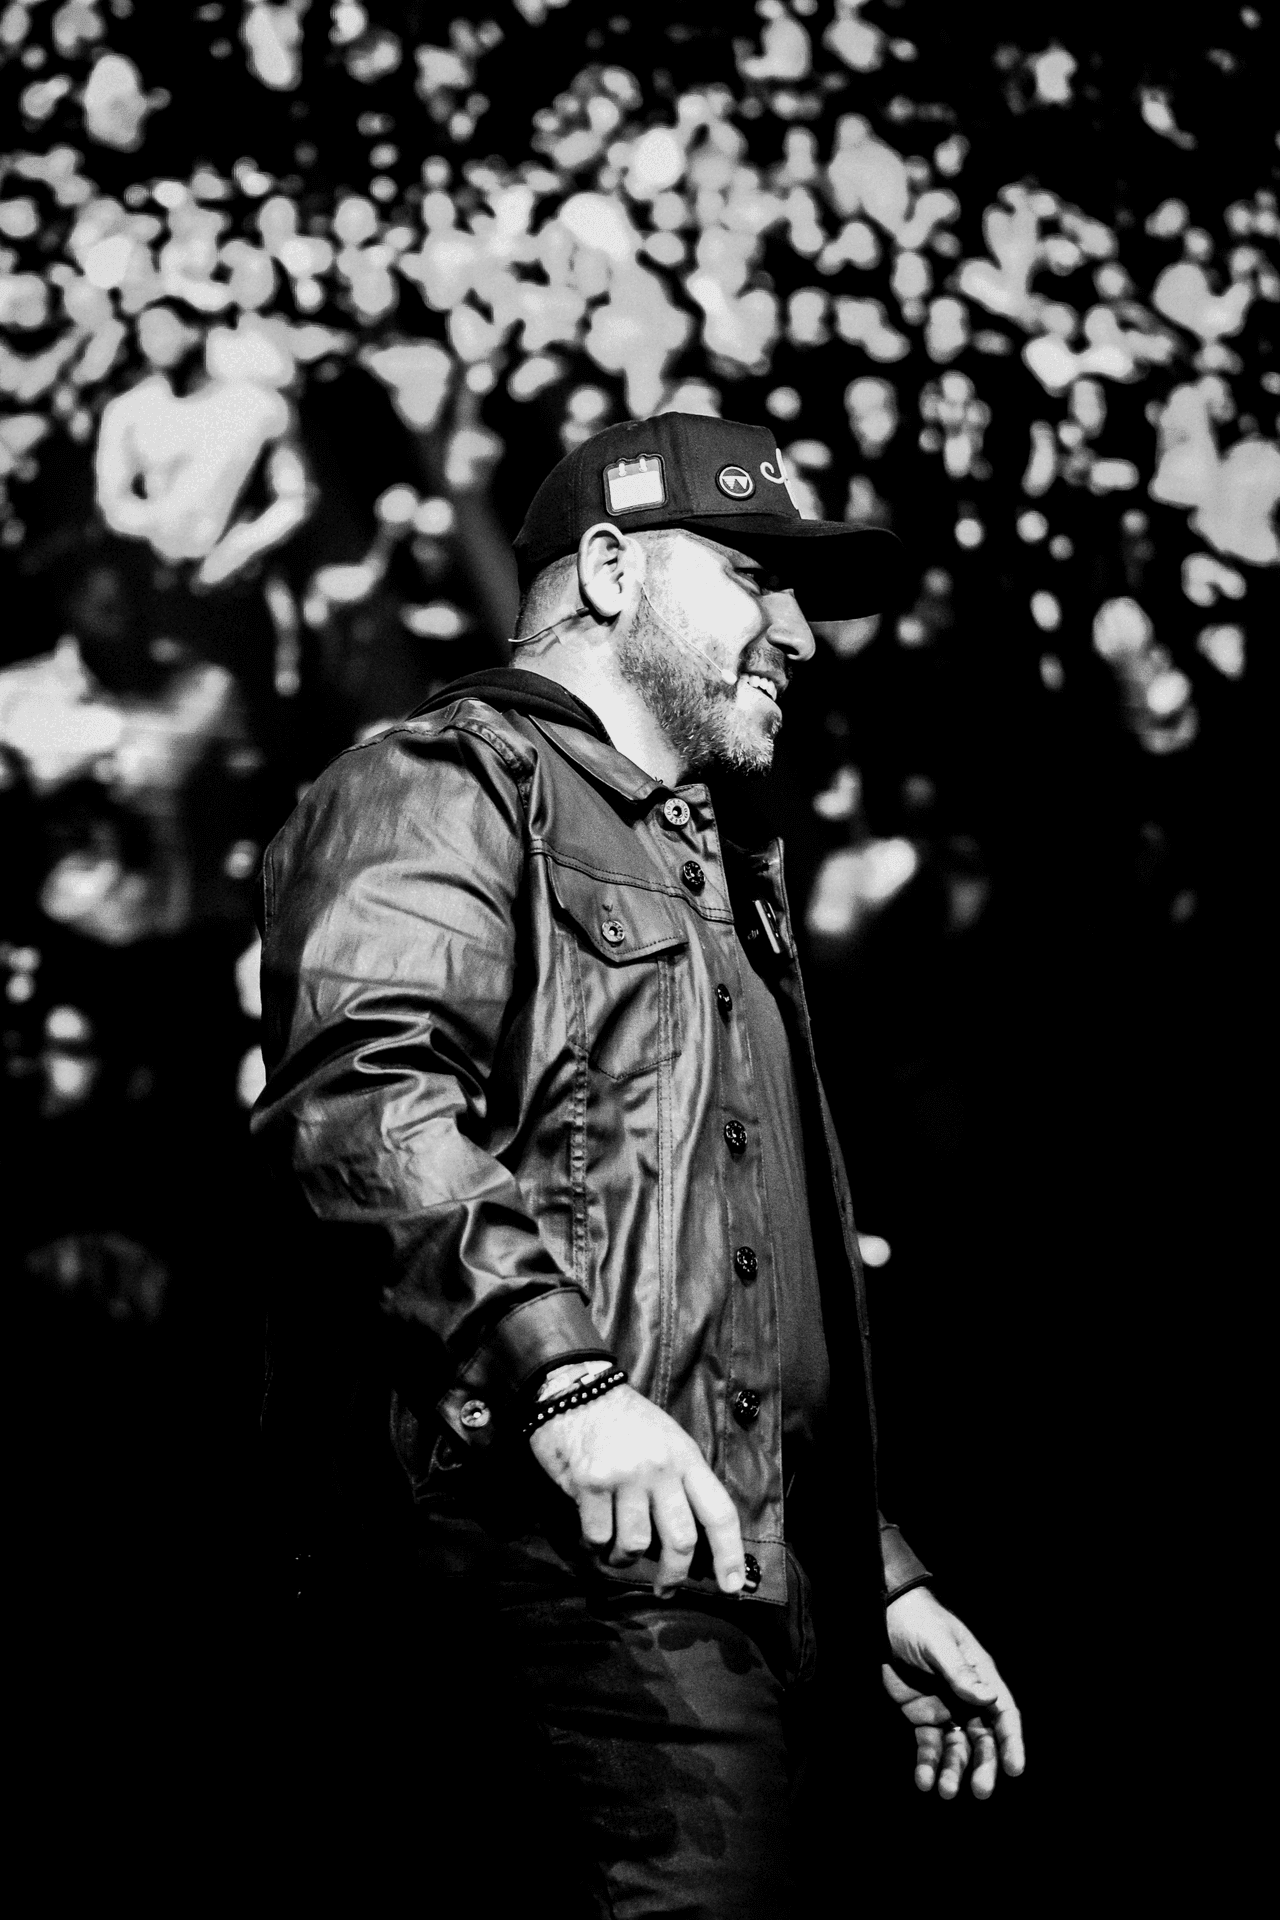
752,1410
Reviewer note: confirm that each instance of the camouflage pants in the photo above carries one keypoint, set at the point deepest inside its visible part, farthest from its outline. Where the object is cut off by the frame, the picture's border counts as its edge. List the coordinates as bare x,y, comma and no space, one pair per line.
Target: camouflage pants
671,1733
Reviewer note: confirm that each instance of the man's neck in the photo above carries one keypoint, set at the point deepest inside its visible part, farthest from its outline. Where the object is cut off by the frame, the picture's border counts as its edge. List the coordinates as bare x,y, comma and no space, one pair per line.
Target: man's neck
627,720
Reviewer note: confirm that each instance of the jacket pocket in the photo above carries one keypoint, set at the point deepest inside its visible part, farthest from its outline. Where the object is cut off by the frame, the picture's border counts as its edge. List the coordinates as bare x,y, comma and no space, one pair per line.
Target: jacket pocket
625,948
428,1459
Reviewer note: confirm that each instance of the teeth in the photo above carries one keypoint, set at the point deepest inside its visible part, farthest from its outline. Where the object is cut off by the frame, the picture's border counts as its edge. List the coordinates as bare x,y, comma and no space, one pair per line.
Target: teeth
765,686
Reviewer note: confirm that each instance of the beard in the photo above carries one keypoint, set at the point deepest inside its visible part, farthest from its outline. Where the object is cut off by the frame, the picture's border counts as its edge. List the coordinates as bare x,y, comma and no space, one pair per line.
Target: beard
698,713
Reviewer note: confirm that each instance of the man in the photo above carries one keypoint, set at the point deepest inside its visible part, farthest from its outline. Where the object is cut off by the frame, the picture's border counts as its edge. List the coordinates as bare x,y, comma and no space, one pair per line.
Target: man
540,1065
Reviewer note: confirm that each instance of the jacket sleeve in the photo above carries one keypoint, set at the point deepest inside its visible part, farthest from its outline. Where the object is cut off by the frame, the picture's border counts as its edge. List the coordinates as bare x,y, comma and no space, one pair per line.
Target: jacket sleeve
902,1568
389,959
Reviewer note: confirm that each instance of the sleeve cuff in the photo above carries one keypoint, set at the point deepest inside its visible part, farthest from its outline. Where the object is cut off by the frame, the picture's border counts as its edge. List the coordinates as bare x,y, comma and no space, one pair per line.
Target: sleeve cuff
537,1335
902,1568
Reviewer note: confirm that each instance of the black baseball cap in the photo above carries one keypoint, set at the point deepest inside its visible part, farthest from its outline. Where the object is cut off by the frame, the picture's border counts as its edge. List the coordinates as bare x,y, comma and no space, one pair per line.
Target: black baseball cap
720,478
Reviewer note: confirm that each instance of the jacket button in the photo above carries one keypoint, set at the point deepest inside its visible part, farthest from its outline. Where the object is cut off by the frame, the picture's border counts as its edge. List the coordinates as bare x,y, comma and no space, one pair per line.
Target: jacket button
746,1406
724,1000
754,1573
735,1137
745,1264
614,932
676,813
693,876
474,1413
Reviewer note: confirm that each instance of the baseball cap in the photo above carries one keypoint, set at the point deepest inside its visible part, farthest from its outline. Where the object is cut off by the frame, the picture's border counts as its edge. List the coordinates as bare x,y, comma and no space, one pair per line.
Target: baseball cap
720,478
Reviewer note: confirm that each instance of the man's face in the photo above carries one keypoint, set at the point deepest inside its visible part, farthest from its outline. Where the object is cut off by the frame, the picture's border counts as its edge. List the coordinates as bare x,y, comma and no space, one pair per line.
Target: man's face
712,650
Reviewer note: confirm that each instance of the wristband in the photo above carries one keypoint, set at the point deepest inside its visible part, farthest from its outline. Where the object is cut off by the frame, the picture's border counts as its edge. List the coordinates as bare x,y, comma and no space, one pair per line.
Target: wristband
906,1586
531,1388
576,1397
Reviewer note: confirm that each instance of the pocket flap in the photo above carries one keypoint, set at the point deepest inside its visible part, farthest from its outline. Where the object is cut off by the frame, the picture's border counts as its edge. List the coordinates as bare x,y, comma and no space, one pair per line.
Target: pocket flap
620,920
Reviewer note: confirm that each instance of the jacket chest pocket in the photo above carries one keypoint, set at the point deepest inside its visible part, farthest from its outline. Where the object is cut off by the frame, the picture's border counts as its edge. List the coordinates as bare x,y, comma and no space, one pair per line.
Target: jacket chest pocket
625,950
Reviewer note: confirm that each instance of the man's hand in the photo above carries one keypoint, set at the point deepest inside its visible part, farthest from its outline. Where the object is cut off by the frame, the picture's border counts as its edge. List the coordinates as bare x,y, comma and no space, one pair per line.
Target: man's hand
632,1470
975,1722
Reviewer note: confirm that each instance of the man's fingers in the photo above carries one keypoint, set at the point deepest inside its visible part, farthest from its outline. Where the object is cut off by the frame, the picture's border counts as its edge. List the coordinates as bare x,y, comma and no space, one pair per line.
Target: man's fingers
979,1684
955,1758
595,1514
1008,1729
974,1692
982,1780
928,1754
719,1517
677,1534
632,1530
999,1712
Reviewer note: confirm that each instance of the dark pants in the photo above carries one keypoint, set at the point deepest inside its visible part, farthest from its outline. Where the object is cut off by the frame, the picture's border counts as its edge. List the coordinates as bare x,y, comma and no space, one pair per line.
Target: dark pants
670,1735
462,1708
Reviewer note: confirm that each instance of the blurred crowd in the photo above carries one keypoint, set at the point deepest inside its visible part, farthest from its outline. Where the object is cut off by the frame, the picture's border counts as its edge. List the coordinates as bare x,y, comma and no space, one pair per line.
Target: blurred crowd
298,302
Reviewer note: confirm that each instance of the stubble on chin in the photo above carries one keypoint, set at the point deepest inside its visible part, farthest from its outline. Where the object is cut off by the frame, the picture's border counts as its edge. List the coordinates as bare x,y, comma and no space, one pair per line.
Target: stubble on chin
737,747
698,714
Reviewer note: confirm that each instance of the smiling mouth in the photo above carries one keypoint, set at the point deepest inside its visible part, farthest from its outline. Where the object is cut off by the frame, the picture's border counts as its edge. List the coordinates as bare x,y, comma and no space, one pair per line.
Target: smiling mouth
763,685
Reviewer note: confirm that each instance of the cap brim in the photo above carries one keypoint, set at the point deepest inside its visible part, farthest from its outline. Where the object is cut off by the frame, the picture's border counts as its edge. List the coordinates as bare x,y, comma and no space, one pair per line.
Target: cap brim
841,573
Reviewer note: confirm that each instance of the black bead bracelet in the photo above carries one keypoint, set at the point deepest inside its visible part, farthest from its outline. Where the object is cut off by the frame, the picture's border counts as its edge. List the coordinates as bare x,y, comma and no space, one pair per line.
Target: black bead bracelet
576,1397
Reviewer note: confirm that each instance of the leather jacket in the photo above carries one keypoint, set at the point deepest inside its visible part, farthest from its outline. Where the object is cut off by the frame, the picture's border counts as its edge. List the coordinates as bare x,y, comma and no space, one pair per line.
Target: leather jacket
503,1044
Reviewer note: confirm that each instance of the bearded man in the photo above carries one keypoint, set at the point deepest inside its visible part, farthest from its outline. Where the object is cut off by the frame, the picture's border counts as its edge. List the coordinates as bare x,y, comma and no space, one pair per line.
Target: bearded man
540,1067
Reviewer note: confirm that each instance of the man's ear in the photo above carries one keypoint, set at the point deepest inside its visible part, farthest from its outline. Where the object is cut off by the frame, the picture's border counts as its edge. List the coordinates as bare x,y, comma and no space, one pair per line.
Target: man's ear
609,568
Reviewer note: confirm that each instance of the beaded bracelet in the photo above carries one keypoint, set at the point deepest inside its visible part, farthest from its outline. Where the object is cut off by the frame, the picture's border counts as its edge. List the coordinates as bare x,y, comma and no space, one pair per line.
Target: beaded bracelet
576,1397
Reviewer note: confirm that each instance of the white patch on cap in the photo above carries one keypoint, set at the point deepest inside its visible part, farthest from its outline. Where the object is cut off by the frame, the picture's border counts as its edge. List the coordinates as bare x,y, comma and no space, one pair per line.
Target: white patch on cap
736,482
632,484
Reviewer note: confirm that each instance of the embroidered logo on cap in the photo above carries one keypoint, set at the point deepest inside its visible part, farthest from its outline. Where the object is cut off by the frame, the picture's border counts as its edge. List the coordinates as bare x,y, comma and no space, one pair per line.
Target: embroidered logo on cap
632,484
736,482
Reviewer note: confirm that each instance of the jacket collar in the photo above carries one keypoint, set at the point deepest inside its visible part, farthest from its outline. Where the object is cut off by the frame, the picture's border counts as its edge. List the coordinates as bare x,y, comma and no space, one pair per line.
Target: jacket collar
601,761
742,829
579,734
515,688
569,723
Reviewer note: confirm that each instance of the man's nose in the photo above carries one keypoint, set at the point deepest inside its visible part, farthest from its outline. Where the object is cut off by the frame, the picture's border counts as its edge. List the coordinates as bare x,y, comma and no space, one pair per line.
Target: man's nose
788,630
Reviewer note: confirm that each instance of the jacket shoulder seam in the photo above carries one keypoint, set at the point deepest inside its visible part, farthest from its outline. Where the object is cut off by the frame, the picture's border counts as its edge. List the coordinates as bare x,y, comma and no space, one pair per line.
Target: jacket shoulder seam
516,764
